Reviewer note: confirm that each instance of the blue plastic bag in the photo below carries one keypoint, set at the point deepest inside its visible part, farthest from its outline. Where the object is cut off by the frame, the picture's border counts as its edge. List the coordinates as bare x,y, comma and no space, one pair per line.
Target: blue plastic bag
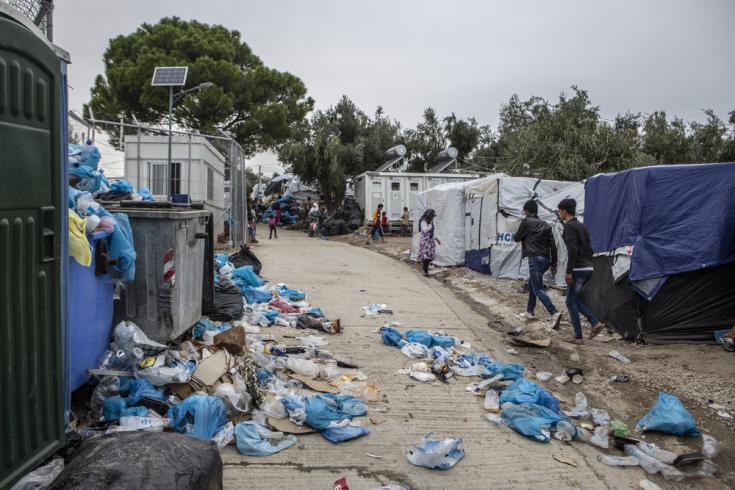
346,433
145,193
255,295
509,370
442,341
250,442
122,185
316,311
322,410
246,276
207,413
392,337
532,420
113,407
141,388
122,249
669,415
290,294
525,391
206,324
420,336
221,259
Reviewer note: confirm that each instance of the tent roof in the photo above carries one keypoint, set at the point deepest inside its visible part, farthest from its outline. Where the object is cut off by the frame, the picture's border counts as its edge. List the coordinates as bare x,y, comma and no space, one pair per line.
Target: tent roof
678,218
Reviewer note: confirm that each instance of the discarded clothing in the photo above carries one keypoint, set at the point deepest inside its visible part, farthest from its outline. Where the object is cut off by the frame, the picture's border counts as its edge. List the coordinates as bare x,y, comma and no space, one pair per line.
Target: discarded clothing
199,416
79,246
669,415
255,440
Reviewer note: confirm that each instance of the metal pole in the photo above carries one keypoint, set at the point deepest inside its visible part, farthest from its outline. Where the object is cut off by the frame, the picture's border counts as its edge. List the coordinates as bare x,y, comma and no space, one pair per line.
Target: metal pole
244,198
260,183
170,117
122,135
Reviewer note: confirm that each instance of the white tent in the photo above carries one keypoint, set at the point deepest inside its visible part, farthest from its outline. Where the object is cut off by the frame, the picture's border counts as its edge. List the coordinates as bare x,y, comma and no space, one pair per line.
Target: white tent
479,218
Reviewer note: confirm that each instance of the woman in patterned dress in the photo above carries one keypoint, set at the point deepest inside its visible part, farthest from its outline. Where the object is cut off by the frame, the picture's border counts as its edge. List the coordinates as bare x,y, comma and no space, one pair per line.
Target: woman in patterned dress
427,244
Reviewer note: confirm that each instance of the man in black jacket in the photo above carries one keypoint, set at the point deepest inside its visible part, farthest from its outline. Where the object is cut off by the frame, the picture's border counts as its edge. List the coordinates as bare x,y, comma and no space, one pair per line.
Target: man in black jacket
538,245
579,268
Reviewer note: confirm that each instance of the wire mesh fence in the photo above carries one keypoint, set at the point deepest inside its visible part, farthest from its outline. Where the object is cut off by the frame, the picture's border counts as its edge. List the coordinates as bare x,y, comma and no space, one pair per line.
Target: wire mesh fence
207,168
36,10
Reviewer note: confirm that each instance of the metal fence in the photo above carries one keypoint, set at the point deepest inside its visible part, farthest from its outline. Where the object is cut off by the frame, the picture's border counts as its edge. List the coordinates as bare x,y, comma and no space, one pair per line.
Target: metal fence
234,214
40,12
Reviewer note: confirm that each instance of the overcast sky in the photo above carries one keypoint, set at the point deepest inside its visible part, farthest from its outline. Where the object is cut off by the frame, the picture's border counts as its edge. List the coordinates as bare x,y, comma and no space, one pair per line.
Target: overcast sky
457,56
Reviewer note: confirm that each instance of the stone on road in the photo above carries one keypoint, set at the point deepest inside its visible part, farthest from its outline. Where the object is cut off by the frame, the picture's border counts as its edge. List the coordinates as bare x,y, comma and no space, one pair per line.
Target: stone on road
333,275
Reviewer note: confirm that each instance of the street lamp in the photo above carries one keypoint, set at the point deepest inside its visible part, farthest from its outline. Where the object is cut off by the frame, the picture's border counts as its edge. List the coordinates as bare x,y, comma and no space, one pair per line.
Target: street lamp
173,76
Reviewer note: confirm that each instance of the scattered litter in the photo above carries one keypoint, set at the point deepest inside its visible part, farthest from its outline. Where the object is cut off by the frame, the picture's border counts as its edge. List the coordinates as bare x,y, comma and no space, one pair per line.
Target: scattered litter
648,485
373,456
617,460
565,459
724,414
619,428
256,440
341,484
532,340
710,446
617,355
562,379
543,376
41,477
575,357
620,378
511,351
436,453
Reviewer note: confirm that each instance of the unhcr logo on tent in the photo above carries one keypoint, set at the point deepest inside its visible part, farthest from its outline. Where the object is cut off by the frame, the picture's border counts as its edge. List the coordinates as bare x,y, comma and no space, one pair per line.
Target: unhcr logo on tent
505,238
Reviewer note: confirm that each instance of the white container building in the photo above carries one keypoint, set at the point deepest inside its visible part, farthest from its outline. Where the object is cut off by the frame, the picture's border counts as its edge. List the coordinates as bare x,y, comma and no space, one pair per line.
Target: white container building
396,190
198,169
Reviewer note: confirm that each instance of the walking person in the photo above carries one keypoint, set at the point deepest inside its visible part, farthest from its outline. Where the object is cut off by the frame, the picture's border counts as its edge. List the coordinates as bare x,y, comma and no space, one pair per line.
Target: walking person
537,243
376,225
404,222
384,225
427,243
579,268
273,222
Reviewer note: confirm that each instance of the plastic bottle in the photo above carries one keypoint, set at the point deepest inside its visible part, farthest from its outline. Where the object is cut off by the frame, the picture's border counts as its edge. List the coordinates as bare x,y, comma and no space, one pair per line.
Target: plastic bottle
423,377
648,485
656,452
497,420
492,401
564,431
601,438
580,401
648,463
710,446
153,424
617,460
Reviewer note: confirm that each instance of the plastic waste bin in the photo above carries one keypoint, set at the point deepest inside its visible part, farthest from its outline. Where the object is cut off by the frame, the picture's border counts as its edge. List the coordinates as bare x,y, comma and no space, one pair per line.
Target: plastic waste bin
90,315
166,298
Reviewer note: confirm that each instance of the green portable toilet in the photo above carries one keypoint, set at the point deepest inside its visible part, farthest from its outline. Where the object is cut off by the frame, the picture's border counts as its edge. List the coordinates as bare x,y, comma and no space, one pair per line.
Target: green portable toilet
32,209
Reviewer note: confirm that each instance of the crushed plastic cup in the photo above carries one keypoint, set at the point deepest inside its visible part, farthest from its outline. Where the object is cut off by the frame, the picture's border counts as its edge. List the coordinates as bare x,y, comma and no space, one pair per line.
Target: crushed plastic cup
543,376
617,355
423,377
617,460
710,446
601,437
564,431
492,401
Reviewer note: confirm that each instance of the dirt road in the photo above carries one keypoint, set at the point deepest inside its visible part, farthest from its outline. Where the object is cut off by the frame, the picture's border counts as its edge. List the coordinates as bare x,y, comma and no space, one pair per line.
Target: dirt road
341,279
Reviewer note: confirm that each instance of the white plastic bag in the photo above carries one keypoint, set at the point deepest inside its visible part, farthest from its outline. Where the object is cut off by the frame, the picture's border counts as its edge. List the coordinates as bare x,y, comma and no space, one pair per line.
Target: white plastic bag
274,408
163,375
41,477
128,336
225,436
304,367
414,350
436,453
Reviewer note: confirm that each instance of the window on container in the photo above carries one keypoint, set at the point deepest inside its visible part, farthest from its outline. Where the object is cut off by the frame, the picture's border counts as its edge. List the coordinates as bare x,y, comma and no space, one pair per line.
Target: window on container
395,186
414,186
210,184
377,186
175,178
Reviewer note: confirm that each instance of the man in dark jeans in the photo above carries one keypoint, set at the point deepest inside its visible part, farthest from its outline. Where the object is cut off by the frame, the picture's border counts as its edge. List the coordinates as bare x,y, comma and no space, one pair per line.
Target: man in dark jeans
538,245
579,268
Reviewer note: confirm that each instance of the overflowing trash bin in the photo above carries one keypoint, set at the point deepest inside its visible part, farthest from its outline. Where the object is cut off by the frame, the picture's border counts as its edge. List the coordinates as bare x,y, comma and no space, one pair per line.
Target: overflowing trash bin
165,300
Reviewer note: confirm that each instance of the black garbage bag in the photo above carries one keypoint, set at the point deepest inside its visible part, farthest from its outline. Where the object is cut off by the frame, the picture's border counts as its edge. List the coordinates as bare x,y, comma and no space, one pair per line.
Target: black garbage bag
133,460
227,305
245,256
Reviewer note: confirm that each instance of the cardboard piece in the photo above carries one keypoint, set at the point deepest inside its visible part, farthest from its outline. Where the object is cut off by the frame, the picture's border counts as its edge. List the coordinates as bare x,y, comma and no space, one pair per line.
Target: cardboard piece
378,419
565,459
233,340
285,425
531,340
315,384
210,370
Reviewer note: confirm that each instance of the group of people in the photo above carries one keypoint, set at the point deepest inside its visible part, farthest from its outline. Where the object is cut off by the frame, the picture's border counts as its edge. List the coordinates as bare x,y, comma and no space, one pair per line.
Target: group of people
538,246
381,226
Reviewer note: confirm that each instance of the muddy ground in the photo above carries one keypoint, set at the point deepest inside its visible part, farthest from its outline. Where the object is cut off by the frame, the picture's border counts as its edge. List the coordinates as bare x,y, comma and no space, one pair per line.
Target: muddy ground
700,375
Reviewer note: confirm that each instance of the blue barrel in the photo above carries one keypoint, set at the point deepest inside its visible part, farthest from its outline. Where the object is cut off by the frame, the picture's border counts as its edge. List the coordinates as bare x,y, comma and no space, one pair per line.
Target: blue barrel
90,316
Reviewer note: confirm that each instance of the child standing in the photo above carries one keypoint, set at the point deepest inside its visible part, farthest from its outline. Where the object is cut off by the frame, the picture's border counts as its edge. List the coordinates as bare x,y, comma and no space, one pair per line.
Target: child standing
273,221
384,228
404,222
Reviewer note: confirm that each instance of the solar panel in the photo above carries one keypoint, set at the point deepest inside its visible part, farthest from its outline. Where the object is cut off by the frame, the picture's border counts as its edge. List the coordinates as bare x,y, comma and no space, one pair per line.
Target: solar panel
166,76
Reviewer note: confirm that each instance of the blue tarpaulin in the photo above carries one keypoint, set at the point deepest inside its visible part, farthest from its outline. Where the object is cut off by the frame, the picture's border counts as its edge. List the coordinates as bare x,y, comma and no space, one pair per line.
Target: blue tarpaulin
678,218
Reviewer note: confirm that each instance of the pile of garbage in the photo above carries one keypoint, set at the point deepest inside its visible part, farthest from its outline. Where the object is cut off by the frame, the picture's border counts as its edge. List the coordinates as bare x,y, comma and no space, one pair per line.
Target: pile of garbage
90,222
290,210
511,399
230,381
345,220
